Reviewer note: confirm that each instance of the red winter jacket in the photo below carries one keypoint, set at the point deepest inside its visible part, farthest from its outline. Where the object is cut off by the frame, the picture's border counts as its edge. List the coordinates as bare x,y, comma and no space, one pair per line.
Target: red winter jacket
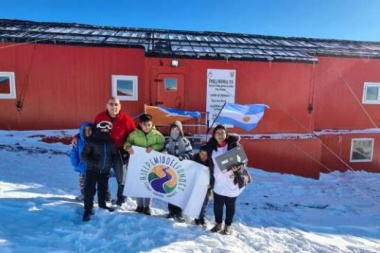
123,125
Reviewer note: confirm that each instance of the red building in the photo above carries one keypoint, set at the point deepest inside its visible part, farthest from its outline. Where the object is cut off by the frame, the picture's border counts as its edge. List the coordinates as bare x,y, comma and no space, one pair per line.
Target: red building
324,95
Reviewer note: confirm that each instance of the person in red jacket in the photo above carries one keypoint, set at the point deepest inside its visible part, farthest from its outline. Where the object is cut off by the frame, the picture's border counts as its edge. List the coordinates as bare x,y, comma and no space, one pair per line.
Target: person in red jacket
123,125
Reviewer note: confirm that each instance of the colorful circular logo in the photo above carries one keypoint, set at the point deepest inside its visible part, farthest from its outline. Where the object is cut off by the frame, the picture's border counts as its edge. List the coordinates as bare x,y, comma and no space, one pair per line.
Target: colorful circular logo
162,179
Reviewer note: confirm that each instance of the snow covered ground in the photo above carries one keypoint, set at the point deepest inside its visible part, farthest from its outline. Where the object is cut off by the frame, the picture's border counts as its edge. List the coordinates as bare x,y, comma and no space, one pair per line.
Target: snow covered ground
276,213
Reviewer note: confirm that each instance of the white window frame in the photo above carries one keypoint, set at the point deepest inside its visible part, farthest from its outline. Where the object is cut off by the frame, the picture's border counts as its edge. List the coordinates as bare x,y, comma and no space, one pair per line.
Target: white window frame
134,94
352,159
12,85
370,85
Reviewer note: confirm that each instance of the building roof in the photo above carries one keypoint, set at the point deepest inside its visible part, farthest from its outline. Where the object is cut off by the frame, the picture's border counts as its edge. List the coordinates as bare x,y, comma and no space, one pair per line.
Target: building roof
187,44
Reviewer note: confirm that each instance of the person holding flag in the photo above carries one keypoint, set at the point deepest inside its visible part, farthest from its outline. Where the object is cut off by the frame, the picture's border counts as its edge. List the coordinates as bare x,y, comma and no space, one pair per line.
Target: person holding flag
177,145
147,136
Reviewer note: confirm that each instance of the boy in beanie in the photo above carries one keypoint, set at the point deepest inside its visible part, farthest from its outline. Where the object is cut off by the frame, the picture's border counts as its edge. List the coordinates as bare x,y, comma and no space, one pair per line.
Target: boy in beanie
99,155
179,146
148,137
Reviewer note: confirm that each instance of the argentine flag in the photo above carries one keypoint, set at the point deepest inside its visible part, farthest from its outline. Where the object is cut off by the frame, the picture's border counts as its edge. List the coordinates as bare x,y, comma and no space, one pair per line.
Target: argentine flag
243,116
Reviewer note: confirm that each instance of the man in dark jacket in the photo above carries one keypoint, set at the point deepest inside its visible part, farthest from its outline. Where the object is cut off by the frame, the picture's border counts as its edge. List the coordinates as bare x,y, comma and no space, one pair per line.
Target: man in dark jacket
99,155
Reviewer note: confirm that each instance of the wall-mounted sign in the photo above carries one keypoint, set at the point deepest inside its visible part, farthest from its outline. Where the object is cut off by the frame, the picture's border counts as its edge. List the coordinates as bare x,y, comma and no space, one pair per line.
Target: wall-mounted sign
220,89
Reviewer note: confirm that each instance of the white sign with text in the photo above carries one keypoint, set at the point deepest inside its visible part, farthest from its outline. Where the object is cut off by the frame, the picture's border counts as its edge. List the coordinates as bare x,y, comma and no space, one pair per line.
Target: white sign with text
220,89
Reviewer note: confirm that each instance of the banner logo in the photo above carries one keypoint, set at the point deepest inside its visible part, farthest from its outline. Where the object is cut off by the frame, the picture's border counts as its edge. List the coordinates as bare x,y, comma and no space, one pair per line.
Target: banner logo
163,175
162,179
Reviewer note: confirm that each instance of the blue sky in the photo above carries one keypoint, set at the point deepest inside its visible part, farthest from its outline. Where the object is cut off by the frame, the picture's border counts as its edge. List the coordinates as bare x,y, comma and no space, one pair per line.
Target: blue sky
331,19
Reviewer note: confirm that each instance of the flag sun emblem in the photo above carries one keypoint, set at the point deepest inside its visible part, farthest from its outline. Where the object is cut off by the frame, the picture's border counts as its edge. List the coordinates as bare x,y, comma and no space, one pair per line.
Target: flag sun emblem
246,119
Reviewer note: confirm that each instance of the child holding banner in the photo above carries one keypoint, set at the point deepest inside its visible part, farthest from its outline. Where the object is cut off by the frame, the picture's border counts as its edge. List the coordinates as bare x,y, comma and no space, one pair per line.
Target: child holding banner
179,146
148,137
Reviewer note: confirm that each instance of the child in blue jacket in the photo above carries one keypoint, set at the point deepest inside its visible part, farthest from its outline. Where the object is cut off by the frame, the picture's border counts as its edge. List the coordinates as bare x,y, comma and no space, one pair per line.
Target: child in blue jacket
85,132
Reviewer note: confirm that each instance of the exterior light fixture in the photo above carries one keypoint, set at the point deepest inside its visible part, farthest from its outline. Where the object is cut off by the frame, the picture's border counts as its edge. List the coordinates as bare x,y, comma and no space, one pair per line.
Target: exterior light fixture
175,63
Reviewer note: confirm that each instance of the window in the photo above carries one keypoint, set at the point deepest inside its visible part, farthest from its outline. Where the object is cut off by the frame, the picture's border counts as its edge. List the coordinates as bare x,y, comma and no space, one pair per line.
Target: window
7,85
362,150
171,84
125,87
371,93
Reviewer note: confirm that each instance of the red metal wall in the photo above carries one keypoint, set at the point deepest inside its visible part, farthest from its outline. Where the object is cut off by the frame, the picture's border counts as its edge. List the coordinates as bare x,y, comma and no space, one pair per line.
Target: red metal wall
285,87
65,85
332,89
338,93
339,84
290,156
336,153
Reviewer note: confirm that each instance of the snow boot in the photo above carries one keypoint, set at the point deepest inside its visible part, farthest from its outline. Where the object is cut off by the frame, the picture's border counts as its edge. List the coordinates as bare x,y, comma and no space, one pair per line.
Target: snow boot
139,209
86,216
147,210
120,197
170,216
227,230
108,208
201,222
180,218
217,228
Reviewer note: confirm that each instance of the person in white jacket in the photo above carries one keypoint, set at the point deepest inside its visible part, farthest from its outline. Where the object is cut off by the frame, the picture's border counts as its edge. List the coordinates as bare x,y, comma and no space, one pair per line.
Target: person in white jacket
225,188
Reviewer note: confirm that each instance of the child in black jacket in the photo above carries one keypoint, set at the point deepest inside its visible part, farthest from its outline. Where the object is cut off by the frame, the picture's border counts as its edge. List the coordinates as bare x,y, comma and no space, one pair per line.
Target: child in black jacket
202,158
99,154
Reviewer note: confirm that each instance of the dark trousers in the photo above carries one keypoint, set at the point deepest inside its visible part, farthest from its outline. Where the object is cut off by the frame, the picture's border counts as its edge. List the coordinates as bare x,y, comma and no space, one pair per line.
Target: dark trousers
219,203
94,179
174,210
121,176
202,214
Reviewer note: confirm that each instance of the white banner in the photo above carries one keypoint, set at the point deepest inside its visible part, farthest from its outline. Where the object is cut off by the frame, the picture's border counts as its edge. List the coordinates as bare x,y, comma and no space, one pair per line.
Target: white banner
162,176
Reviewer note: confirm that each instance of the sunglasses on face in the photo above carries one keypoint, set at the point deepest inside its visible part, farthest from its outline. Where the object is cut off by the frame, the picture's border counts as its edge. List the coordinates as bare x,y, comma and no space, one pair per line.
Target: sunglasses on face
104,125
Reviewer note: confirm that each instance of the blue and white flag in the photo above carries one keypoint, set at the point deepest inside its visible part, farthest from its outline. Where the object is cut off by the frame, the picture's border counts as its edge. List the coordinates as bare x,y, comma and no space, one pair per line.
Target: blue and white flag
243,116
